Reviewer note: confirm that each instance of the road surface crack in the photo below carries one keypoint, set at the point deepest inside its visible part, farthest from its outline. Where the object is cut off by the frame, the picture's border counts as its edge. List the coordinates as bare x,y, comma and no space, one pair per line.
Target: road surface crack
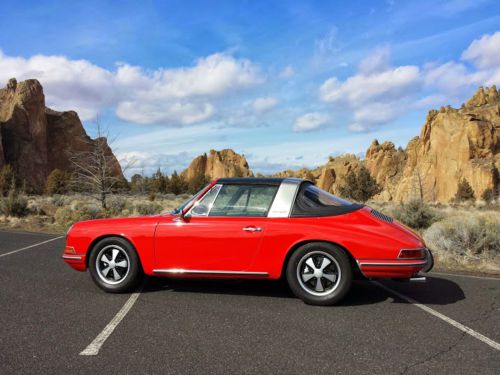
434,355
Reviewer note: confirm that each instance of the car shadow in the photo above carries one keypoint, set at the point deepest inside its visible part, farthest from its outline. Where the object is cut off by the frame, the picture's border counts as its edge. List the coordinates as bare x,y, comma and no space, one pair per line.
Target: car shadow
435,291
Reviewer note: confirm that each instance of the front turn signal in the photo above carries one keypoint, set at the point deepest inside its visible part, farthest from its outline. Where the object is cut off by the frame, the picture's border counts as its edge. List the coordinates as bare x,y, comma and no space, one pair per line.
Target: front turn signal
69,250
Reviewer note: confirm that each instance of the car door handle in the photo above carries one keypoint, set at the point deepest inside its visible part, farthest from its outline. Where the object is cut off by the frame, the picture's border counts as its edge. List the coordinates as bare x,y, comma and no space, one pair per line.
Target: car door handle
252,229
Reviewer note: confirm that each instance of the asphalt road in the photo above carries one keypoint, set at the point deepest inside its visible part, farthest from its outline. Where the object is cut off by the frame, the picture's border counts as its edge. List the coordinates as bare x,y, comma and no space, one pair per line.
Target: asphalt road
50,313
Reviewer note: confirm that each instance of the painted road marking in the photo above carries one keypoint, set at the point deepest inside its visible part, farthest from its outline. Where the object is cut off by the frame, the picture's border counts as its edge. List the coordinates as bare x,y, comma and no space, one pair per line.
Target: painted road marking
460,326
469,276
95,346
29,247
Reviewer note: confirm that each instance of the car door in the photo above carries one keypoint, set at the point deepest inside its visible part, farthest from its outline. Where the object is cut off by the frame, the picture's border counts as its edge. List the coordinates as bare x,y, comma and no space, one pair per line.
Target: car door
221,233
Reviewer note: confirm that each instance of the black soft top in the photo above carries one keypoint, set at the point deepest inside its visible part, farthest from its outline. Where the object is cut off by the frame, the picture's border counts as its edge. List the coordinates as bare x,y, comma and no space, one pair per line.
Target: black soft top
250,181
305,207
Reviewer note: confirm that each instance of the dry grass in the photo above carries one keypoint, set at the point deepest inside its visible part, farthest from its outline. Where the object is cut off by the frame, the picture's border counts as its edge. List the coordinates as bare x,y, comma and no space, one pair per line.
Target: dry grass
462,236
56,214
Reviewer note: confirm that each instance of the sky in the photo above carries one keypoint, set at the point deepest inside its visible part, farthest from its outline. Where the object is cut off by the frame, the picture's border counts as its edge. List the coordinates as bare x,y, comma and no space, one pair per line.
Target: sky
286,83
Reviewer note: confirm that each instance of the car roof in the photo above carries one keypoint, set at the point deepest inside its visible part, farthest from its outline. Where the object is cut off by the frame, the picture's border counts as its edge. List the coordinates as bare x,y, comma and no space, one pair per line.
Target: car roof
256,180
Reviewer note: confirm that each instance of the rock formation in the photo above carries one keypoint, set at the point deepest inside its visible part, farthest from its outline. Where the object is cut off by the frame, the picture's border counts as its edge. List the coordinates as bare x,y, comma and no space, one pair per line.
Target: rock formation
36,140
216,164
453,144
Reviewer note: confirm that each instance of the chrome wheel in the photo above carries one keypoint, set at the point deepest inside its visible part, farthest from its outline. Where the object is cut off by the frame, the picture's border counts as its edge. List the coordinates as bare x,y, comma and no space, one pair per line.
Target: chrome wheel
318,273
112,264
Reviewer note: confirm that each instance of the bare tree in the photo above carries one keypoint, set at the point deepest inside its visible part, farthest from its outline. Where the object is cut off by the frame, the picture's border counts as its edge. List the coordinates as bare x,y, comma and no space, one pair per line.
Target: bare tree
96,169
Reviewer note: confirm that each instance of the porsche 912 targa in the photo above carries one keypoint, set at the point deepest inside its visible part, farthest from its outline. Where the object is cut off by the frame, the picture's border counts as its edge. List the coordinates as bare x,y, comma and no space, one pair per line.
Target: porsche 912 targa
259,228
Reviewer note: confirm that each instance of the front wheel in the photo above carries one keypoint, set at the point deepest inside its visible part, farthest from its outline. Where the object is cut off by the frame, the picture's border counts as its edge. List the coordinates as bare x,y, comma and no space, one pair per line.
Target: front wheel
319,273
114,265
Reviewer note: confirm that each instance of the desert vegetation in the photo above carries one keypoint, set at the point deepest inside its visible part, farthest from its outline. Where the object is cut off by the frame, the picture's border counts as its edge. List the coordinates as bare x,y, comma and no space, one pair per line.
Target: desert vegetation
464,233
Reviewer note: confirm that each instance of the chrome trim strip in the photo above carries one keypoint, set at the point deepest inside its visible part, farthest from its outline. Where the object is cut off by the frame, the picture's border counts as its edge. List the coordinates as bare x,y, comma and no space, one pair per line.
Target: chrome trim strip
209,272
414,264
72,257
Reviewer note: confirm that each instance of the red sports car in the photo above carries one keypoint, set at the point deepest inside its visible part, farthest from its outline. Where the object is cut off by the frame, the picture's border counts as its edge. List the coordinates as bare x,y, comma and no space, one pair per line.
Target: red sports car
264,228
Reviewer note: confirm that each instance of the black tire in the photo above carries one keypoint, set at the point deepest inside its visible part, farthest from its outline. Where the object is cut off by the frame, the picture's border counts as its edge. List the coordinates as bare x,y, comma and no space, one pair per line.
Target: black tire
335,280
103,273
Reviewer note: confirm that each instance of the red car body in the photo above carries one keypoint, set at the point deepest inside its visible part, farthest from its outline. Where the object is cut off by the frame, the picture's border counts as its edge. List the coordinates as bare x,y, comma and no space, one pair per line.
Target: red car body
171,244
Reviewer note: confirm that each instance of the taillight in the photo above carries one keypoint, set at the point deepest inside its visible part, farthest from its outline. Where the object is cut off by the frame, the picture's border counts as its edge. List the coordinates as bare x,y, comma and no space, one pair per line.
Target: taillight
411,254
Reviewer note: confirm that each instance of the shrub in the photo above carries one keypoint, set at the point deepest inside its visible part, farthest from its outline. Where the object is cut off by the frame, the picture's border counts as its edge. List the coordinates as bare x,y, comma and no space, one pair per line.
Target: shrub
14,204
58,182
148,208
198,182
360,185
464,192
489,195
116,205
177,184
466,238
68,215
6,178
416,214
59,200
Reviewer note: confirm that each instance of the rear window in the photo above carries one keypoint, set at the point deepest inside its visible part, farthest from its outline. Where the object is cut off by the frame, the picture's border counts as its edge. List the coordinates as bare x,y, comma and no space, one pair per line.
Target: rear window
311,201
315,197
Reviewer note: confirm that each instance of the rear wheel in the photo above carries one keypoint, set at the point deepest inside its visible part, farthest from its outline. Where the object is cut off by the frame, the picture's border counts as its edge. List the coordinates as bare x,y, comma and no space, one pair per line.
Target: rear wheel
319,273
114,265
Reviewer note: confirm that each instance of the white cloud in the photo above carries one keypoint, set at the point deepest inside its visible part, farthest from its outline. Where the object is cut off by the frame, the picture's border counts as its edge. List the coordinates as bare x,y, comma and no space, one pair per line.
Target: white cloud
310,121
484,52
379,93
264,104
362,88
68,84
287,72
170,96
377,61
157,112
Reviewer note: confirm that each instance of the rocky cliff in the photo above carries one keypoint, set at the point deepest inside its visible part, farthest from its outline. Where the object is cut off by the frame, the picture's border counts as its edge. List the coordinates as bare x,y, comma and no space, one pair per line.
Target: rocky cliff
224,163
35,139
453,144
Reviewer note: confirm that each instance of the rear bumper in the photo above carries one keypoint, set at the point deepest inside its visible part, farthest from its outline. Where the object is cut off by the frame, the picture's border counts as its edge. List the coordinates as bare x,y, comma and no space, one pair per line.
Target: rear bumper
395,268
75,261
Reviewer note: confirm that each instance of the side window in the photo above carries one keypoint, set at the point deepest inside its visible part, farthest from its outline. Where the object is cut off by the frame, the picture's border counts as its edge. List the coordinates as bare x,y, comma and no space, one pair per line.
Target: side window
243,200
204,205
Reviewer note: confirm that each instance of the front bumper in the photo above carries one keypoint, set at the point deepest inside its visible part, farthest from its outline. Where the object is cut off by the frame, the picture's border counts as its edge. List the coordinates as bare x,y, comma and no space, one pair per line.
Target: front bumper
396,268
76,261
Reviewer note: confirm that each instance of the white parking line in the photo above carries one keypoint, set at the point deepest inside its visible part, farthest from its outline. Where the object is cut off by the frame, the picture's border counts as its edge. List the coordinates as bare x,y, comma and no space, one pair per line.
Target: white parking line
29,247
460,326
469,276
95,346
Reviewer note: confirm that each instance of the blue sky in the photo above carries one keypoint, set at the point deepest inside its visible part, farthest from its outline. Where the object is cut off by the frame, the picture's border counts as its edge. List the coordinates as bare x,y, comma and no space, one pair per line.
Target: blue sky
286,83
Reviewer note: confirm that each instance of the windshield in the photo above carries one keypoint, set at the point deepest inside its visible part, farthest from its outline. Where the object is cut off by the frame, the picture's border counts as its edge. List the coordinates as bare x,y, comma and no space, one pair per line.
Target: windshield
179,209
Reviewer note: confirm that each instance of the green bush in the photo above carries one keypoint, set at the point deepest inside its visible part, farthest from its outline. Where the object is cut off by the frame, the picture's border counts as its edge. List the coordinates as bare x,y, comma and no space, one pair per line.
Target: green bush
464,192
58,182
116,205
6,179
14,204
68,215
466,237
359,186
416,214
148,208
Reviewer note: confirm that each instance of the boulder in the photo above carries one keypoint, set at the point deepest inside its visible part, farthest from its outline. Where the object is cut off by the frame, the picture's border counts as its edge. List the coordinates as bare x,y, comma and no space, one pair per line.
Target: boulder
217,164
